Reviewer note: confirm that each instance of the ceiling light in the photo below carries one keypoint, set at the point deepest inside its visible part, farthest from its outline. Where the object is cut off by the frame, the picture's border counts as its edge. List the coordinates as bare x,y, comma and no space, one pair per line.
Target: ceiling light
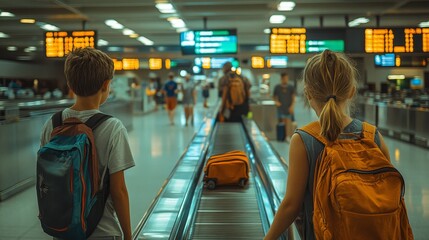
286,6
49,27
145,41
267,31
30,49
3,35
27,20
134,35
276,19
165,7
358,21
127,31
6,14
12,48
424,24
113,24
102,42
178,23
179,30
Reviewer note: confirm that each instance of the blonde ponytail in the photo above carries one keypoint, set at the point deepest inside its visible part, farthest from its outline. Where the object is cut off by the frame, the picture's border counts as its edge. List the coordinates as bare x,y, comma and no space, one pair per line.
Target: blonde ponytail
330,80
331,120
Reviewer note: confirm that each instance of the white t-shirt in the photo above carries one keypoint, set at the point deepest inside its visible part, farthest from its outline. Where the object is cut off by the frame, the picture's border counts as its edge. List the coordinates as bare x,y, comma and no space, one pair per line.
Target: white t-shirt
111,141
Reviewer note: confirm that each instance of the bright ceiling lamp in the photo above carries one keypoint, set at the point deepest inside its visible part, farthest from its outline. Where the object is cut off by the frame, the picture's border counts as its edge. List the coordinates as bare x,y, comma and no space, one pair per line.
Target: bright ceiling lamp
179,30
145,41
424,24
12,48
267,31
358,21
127,31
28,20
113,24
134,35
3,35
30,49
48,27
277,19
6,14
286,6
177,22
102,42
165,7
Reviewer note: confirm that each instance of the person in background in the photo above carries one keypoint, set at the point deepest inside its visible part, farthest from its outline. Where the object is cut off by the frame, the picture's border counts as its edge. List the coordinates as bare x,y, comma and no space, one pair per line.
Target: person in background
170,91
89,73
284,96
206,93
235,96
189,99
151,90
223,81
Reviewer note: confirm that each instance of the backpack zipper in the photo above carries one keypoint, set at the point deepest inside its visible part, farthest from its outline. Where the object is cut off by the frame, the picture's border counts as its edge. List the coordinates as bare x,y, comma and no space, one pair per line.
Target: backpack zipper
381,170
375,171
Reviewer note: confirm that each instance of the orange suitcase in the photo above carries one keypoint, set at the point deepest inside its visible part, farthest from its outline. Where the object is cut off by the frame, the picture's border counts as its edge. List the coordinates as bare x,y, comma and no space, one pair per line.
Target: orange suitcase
229,168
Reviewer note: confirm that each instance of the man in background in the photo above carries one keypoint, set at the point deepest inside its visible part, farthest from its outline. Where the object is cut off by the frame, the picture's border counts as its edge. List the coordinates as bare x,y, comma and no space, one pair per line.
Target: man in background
284,96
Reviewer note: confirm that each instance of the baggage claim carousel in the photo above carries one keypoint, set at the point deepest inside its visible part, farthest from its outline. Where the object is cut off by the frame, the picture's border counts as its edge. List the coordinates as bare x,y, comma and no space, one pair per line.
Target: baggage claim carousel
185,209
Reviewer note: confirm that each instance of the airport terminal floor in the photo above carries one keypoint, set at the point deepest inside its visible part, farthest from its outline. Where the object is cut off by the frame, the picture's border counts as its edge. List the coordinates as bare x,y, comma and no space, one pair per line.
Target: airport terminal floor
157,146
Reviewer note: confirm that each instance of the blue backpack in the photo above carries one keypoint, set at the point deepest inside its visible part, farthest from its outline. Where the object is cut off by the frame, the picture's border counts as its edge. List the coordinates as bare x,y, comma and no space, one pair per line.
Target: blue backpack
71,194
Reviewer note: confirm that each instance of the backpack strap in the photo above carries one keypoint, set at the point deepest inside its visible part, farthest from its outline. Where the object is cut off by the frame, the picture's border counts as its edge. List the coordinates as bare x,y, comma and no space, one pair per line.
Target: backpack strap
314,130
97,119
57,119
368,131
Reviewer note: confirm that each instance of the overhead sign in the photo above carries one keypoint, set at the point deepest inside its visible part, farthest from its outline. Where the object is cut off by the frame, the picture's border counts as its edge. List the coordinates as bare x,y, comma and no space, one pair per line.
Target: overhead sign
208,42
304,40
396,40
59,43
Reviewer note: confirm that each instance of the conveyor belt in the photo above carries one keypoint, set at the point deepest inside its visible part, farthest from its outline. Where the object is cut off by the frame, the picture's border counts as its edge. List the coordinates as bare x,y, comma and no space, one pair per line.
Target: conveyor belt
228,212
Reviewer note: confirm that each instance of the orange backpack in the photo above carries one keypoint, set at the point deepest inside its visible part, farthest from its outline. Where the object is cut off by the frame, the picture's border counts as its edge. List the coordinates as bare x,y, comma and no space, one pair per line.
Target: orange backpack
357,193
236,94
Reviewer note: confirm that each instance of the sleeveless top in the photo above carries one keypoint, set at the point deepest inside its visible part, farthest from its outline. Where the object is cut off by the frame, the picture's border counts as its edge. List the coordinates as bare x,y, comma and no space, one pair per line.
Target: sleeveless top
314,148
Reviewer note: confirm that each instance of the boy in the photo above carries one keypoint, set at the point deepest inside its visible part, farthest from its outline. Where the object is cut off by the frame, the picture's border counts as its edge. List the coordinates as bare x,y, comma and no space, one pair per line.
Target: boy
284,96
170,91
89,73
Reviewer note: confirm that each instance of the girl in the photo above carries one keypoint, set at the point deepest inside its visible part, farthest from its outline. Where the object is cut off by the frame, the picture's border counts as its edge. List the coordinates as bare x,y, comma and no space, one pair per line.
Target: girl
329,86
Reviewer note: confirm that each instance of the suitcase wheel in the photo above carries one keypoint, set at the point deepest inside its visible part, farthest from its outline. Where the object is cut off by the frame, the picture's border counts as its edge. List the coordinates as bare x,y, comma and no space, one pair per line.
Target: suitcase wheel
242,182
211,184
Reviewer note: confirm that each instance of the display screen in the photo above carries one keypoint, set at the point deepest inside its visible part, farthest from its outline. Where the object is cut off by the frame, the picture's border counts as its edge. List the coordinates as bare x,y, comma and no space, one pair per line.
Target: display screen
59,43
215,62
396,40
258,62
305,40
208,42
276,61
384,60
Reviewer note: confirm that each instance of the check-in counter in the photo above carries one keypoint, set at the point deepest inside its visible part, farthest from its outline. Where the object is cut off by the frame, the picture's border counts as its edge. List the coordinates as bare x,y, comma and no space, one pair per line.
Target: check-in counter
20,139
405,123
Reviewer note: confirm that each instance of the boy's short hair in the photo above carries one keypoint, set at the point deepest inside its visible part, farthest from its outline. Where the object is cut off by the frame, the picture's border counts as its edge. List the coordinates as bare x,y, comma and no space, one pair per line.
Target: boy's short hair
284,74
86,69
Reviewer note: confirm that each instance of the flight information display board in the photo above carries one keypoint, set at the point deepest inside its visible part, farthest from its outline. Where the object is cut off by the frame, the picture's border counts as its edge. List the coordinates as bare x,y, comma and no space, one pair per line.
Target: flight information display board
209,42
59,43
304,40
396,40
215,62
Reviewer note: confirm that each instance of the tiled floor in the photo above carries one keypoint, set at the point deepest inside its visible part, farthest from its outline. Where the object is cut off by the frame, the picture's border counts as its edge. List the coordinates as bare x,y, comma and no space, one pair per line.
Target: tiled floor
157,146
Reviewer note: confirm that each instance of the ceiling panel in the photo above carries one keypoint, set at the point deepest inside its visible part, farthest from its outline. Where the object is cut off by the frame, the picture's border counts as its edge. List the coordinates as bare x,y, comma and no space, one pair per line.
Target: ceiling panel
249,17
